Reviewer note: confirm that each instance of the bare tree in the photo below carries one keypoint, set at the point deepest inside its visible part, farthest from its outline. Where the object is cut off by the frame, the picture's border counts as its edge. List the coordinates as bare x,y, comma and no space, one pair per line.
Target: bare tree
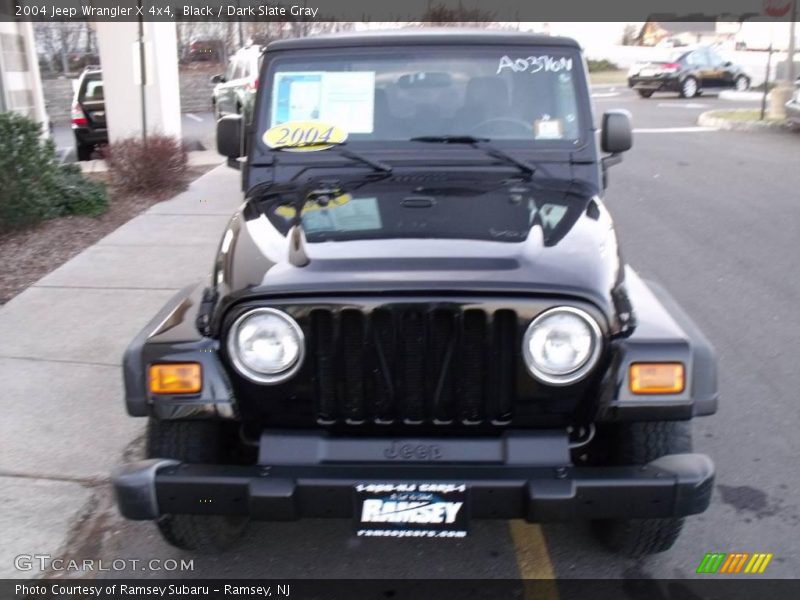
630,35
440,15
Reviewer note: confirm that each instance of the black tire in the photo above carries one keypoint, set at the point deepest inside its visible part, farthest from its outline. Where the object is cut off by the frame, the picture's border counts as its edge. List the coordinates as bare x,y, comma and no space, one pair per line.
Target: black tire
84,151
638,444
194,442
645,93
689,87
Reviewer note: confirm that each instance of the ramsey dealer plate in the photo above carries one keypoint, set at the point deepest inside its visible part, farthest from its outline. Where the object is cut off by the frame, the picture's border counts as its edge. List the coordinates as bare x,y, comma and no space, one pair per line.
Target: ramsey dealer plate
429,510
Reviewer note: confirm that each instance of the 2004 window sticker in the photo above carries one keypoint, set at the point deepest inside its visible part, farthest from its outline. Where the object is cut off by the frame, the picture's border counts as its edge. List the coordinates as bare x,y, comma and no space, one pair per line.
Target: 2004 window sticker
535,64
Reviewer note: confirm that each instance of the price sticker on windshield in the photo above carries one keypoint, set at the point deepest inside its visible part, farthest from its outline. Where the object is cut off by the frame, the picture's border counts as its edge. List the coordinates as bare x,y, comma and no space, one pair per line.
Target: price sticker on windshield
548,129
304,136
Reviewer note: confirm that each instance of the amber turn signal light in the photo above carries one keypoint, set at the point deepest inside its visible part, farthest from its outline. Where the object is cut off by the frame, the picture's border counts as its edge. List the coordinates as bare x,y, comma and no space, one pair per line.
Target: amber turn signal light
176,378
657,378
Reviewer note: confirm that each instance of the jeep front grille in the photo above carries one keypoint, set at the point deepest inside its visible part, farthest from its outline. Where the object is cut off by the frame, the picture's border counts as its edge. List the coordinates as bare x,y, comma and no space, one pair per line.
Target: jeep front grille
413,365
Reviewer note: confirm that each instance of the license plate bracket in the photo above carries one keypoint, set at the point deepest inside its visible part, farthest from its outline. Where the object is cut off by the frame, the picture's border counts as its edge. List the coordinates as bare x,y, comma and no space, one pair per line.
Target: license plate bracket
411,509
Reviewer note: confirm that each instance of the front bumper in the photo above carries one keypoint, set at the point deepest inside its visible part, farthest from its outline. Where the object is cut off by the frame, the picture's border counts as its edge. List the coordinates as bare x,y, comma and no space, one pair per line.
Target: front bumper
671,486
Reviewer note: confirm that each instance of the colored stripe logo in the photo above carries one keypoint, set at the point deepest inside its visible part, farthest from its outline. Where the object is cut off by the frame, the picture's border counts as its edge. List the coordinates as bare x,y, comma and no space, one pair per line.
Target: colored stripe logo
734,563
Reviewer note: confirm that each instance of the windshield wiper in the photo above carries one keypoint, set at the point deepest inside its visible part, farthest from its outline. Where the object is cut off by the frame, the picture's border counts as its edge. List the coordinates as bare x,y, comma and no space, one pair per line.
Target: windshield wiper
479,143
379,166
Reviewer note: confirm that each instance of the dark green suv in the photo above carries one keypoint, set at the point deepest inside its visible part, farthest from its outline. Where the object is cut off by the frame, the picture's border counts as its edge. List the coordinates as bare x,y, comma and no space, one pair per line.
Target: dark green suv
235,90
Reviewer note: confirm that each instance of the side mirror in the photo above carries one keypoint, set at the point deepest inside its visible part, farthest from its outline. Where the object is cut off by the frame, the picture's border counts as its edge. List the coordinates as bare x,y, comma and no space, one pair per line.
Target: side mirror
218,79
727,64
230,141
617,134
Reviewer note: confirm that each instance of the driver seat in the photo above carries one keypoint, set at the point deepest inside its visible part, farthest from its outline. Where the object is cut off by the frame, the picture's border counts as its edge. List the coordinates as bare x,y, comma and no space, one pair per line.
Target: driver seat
485,98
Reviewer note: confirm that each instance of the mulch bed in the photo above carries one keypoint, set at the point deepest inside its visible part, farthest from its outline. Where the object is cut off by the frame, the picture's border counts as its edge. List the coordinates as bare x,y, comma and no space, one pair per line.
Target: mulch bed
30,254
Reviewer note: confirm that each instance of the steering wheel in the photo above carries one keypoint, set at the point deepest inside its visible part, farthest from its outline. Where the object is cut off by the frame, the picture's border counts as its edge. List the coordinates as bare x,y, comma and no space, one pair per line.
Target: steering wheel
509,120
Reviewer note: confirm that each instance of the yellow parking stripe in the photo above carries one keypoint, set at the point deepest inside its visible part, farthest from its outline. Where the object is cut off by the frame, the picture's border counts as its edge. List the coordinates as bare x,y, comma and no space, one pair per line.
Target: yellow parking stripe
764,564
533,559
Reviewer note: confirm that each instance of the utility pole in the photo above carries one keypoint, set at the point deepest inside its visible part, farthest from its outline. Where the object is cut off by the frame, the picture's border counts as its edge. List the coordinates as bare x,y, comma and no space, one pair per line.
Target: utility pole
785,88
142,75
791,72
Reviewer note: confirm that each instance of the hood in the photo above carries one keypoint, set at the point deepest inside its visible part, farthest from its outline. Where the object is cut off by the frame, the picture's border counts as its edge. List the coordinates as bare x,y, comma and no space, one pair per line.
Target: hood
573,255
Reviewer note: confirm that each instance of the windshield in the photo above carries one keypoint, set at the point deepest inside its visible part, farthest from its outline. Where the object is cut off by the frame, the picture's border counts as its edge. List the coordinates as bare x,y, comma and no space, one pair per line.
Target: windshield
517,94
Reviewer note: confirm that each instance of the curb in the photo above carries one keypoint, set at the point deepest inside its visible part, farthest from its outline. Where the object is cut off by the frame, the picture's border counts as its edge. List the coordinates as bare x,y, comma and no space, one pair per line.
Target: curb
709,119
741,96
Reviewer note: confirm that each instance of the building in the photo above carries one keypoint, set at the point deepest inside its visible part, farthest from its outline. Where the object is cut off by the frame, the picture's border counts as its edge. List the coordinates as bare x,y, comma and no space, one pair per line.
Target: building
20,85
678,33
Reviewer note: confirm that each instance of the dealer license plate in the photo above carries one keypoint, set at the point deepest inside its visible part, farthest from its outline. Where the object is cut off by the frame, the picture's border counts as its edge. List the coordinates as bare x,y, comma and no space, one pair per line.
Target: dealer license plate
647,73
411,510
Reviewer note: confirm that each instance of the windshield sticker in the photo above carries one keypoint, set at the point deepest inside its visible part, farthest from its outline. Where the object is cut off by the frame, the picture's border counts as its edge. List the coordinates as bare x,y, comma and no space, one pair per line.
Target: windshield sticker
357,214
304,136
288,212
297,97
346,98
548,129
535,64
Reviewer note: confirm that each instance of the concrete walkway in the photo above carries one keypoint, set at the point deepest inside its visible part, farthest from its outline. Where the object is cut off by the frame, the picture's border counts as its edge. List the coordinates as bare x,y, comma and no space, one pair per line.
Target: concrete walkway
63,424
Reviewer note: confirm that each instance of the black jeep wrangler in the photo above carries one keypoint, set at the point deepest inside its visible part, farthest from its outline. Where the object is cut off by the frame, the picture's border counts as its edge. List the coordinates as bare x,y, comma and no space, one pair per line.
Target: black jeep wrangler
420,315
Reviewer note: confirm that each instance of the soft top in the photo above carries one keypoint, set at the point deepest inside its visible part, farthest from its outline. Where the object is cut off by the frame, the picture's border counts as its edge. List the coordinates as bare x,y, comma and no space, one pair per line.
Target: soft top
414,37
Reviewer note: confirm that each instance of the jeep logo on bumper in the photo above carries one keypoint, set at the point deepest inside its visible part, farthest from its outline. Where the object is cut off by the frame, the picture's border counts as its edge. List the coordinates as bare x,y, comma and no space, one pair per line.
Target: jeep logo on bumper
412,451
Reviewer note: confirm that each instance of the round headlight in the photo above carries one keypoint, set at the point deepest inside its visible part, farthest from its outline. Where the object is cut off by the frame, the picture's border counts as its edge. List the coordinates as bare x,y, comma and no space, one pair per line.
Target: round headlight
561,345
266,345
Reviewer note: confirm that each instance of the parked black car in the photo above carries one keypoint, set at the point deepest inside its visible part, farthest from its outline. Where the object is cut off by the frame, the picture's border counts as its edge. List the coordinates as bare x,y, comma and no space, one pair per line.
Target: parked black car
793,105
429,323
89,113
688,72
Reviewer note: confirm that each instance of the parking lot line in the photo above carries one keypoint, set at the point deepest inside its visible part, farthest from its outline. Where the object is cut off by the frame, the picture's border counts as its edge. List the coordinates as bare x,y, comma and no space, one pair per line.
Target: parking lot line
533,559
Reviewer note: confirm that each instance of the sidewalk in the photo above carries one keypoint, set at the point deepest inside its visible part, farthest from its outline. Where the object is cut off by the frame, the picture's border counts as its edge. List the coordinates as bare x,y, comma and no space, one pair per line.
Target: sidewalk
63,423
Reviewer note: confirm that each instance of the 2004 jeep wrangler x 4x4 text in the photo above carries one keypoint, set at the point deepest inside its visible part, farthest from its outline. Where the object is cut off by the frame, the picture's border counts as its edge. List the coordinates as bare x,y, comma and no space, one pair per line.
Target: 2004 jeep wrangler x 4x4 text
420,315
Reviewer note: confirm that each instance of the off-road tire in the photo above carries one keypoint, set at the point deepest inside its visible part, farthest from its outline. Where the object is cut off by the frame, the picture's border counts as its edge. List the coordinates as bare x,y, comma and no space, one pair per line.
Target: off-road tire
688,90
193,442
645,93
638,444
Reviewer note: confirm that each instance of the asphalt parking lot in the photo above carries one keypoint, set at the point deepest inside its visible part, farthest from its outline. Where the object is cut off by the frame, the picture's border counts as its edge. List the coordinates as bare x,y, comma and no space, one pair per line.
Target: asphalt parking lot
712,215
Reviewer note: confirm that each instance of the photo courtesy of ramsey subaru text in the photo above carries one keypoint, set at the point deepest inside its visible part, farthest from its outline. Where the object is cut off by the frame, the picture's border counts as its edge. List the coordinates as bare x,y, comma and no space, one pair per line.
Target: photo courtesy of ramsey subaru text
421,315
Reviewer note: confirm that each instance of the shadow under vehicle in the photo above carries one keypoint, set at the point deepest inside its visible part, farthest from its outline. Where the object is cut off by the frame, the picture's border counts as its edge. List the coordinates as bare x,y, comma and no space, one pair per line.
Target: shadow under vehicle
420,315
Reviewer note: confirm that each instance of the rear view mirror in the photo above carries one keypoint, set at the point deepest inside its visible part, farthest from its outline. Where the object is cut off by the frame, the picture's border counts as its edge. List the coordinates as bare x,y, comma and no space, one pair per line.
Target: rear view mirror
425,80
617,134
230,139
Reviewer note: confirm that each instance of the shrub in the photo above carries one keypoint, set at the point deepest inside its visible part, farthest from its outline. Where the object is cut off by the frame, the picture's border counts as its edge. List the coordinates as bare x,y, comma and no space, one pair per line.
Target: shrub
150,168
35,186
601,65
